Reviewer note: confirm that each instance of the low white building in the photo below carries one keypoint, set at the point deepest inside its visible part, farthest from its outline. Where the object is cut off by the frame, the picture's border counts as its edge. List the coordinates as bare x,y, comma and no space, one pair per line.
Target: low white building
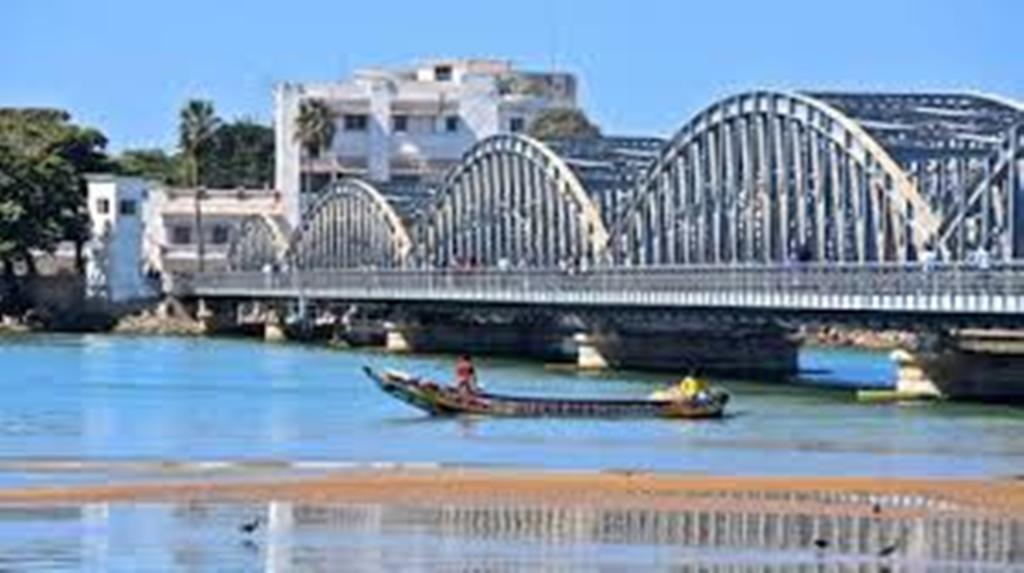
142,232
409,125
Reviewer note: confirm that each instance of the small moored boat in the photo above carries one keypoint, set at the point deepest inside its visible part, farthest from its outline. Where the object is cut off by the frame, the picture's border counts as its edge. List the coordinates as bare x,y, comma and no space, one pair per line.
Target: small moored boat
440,400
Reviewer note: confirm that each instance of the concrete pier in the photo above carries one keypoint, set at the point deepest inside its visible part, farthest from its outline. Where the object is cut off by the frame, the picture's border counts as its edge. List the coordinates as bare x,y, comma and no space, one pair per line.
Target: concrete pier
540,342
273,326
757,351
970,364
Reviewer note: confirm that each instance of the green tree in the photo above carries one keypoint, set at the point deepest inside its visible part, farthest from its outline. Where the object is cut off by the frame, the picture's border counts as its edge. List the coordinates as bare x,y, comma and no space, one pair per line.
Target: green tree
197,125
562,123
314,131
153,164
241,155
43,160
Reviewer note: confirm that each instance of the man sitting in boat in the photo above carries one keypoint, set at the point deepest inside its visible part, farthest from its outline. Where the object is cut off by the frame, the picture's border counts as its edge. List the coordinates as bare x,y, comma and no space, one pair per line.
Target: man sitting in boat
465,375
689,388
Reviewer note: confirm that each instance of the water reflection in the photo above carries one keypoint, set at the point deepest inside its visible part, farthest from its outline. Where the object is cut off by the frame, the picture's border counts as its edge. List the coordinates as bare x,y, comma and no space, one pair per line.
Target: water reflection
503,537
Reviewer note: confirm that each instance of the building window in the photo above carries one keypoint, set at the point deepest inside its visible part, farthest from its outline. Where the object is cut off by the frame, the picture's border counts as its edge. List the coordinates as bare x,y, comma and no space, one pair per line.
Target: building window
103,206
443,73
516,124
181,235
400,123
355,121
126,207
220,234
451,123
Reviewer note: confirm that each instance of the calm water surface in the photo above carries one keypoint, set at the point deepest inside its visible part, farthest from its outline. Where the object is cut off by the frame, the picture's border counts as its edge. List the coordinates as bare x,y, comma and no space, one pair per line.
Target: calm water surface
369,537
105,399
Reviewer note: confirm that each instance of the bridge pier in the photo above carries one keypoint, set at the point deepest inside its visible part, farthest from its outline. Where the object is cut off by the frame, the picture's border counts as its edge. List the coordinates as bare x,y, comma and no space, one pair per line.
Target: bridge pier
396,338
984,365
588,353
487,336
716,349
273,325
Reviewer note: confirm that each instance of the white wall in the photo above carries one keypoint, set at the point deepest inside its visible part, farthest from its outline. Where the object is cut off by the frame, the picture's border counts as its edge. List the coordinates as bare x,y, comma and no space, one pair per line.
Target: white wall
286,152
115,258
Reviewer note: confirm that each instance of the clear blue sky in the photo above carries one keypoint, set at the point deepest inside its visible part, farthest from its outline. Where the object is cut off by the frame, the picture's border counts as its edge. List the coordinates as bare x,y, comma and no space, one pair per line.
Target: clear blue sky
126,66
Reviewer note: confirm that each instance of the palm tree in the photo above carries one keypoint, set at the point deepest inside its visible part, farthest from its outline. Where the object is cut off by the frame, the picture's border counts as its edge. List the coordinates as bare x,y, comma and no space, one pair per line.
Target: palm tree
198,123
314,131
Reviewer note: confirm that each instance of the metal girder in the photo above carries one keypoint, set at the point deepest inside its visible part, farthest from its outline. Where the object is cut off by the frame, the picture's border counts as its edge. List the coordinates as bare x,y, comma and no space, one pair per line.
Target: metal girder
775,175
988,212
351,226
512,198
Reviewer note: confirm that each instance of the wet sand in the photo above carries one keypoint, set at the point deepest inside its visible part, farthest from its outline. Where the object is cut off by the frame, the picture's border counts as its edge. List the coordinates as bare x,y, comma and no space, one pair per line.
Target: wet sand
847,496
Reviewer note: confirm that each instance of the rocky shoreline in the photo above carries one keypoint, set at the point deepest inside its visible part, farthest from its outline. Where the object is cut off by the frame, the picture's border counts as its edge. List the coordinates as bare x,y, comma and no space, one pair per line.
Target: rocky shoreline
166,318
841,337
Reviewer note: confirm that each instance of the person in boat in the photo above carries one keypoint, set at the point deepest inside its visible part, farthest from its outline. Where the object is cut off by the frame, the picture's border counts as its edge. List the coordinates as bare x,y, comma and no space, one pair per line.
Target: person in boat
689,387
465,375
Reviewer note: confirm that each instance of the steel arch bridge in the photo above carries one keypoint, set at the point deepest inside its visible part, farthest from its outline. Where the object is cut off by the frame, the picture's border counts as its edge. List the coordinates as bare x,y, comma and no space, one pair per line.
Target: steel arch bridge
512,198
766,177
758,178
352,225
258,245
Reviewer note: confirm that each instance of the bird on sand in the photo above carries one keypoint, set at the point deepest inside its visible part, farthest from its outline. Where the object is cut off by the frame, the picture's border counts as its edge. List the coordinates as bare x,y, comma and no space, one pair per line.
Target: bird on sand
893,547
250,527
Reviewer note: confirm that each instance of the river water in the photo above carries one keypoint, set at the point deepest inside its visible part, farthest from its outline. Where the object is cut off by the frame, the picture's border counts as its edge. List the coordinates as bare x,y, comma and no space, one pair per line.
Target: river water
117,399
91,408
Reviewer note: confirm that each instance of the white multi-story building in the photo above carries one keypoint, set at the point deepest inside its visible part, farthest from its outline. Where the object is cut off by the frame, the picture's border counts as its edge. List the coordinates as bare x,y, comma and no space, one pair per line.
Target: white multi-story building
409,125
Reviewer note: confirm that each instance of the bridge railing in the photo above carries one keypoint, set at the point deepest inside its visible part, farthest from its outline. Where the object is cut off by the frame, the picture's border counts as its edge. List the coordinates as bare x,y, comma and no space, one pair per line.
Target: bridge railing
1005,279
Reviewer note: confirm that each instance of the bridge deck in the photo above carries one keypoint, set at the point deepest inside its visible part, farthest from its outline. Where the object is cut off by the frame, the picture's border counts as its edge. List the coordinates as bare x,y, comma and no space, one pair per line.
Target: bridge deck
943,289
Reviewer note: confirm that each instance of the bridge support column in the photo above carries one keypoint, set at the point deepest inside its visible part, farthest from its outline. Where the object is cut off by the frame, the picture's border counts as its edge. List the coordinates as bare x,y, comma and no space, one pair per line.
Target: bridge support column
714,348
273,326
588,354
986,365
396,339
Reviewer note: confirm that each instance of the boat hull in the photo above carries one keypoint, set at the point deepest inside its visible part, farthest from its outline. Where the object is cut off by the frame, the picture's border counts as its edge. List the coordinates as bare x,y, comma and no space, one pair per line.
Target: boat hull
441,400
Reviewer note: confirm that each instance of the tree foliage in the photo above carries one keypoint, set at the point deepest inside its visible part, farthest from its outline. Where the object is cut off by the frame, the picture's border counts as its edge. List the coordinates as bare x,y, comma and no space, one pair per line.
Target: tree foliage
154,164
197,124
241,155
315,126
237,154
562,123
43,158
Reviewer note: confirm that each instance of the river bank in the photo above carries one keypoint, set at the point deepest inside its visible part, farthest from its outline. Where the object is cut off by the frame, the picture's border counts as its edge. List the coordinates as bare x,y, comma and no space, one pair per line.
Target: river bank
857,496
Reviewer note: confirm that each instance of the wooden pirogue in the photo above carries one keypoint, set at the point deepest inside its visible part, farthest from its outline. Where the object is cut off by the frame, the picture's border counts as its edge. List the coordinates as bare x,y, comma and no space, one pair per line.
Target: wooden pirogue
439,400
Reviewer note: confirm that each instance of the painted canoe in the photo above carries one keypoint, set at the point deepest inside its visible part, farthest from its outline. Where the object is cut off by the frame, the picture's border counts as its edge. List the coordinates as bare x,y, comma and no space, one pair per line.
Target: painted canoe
440,400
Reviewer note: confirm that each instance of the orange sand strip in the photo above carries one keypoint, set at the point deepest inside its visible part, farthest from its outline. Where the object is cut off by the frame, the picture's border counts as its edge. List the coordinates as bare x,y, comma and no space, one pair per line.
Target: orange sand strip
655,491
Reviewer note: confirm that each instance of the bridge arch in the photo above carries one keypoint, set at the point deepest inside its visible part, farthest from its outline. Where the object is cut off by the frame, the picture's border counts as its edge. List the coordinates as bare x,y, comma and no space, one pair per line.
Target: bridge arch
352,225
260,241
512,198
764,177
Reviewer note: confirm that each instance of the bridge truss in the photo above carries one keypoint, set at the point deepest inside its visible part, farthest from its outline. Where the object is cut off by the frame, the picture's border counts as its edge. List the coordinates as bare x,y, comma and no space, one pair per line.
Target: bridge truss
257,245
513,199
758,178
351,226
